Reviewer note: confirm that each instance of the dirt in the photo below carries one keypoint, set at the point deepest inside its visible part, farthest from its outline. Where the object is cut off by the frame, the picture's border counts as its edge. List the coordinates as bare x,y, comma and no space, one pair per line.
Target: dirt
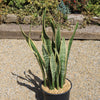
66,87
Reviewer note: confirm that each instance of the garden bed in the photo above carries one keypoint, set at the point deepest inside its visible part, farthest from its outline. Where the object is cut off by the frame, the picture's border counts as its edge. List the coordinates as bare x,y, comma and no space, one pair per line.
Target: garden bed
30,11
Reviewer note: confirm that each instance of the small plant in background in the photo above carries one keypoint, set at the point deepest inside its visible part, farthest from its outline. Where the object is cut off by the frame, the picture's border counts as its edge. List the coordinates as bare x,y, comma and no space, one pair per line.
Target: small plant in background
16,3
64,9
54,62
93,7
75,5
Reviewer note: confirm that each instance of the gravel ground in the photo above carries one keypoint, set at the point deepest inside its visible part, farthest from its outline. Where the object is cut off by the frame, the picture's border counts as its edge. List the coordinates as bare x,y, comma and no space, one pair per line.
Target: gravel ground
20,75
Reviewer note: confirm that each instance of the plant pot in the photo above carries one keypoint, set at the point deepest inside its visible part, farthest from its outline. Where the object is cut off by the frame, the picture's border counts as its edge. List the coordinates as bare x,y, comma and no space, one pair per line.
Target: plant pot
62,96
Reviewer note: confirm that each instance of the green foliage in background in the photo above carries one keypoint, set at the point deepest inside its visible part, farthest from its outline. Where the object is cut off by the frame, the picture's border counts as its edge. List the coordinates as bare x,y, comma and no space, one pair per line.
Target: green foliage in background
57,11
95,1
54,62
35,9
93,7
63,8
31,7
39,5
16,3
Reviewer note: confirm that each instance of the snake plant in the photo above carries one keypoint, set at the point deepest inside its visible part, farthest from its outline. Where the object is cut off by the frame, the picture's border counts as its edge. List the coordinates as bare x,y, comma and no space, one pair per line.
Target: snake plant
54,62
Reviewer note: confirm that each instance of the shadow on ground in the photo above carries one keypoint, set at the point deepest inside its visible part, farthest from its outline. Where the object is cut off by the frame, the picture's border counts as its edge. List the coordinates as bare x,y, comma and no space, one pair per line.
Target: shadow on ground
36,81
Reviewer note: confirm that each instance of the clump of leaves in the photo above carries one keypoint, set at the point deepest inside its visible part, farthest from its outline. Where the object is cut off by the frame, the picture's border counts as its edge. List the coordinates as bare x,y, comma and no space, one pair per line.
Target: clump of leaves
54,62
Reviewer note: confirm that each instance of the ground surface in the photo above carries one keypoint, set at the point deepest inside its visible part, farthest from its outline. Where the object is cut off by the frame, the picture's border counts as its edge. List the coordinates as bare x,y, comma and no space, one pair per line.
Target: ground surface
20,74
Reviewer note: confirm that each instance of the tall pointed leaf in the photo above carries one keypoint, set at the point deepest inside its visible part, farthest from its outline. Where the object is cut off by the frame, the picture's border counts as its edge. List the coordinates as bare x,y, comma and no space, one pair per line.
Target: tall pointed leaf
69,47
58,68
57,60
62,61
53,46
26,37
35,51
47,65
57,76
43,28
53,68
46,58
70,43
58,39
42,68
46,39
53,27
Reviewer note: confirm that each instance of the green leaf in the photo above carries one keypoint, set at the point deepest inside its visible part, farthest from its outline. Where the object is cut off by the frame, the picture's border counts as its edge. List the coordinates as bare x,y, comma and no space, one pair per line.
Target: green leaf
58,39
46,58
57,76
45,38
47,65
62,60
43,28
69,48
53,68
53,46
41,67
53,27
58,68
70,43
36,53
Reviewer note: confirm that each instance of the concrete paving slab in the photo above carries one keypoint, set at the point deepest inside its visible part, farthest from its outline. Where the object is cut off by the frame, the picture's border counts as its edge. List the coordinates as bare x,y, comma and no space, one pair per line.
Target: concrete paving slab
12,31
20,74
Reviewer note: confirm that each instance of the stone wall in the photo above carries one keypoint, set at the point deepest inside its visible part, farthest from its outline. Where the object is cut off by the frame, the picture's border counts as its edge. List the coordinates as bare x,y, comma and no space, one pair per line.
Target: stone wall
11,18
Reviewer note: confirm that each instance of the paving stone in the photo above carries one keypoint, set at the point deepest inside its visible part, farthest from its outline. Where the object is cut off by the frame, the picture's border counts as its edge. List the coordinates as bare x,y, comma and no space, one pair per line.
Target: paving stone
2,18
74,18
27,19
10,18
96,20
